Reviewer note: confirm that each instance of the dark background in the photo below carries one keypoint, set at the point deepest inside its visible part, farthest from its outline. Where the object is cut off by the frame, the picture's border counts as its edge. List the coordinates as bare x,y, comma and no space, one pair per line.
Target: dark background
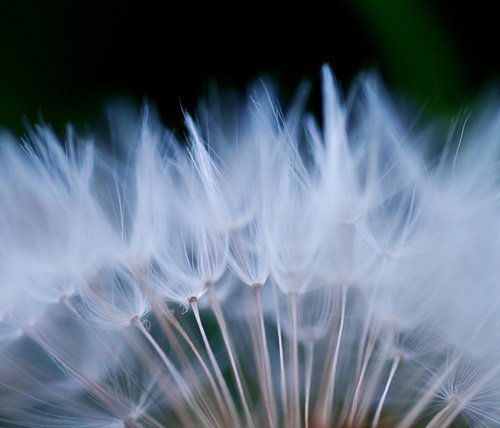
64,60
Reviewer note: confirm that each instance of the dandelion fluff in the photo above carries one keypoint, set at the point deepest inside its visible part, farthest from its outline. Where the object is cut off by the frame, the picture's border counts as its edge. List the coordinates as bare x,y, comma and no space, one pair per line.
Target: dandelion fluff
268,269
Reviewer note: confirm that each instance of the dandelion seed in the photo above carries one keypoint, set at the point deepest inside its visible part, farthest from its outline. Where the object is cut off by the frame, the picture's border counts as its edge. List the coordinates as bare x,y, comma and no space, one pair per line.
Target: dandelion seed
277,272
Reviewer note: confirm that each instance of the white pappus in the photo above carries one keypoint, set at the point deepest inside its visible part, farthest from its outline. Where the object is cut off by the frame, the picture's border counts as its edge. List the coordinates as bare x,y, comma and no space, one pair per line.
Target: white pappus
270,270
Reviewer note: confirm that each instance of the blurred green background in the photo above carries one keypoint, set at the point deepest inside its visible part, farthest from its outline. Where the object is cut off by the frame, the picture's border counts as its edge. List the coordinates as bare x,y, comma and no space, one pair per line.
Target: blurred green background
63,60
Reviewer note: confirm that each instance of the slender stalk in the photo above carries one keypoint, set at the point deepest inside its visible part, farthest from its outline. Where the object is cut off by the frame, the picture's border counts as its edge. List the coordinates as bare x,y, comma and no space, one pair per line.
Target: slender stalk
395,364
94,389
259,365
128,422
162,315
267,389
284,394
215,365
308,376
178,327
329,400
184,406
372,383
357,392
186,392
414,412
296,422
64,300
451,417
364,338
442,418
232,358
456,404
153,421
165,319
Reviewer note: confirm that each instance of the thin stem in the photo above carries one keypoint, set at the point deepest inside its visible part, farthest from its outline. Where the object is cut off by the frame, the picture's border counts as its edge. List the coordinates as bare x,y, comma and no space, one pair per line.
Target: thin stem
295,362
372,383
229,346
430,392
264,358
395,364
328,402
456,404
308,376
162,315
357,392
284,400
215,389
94,389
186,392
364,339
215,365
442,418
168,364
128,422
451,417
153,421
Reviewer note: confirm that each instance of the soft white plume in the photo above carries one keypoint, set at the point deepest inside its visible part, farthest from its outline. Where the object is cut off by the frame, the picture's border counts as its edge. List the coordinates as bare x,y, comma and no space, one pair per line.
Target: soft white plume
271,270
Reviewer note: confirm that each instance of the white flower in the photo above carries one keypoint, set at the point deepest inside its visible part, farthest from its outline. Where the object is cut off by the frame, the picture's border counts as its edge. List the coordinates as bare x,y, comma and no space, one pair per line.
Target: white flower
276,272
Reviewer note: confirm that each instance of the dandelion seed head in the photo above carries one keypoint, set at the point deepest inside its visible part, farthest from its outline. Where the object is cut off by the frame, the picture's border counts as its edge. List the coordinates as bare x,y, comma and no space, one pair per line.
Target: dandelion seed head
266,269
